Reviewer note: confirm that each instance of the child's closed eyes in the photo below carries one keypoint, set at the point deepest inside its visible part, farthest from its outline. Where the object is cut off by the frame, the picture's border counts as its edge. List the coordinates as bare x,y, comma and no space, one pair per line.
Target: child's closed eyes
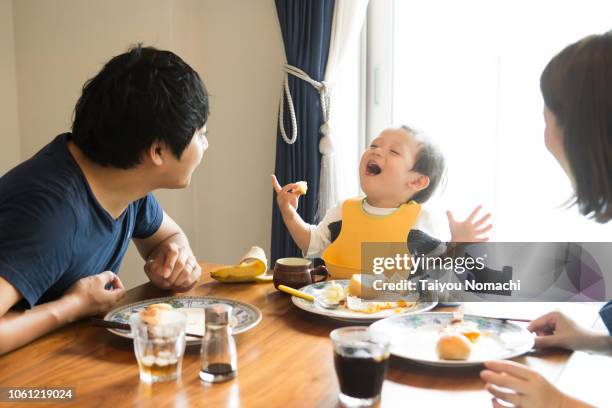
393,150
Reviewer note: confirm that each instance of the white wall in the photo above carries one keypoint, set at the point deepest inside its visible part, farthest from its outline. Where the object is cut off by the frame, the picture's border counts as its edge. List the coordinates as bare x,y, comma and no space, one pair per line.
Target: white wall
9,125
241,63
237,49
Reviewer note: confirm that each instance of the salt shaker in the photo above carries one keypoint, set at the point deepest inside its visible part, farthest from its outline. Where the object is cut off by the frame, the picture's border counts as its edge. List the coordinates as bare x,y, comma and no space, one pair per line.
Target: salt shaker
218,352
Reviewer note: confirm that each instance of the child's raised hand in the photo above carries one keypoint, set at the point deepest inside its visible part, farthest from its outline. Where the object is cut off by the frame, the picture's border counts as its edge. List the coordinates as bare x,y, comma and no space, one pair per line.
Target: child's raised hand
286,196
471,229
520,386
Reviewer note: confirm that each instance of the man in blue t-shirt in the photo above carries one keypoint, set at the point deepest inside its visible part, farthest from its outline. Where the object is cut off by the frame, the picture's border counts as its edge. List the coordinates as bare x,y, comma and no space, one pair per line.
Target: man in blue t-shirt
68,213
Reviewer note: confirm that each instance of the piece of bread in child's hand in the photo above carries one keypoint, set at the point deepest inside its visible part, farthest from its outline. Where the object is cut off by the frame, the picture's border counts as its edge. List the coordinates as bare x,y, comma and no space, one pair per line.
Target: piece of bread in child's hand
302,188
454,347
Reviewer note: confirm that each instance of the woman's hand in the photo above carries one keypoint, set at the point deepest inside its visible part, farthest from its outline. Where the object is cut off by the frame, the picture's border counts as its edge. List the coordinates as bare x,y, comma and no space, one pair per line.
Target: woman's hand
555,329
523,387
471,229
91,296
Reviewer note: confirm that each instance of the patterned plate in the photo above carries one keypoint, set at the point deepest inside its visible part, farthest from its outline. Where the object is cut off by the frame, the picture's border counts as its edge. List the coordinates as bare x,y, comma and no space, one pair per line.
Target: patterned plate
347,315
244,316
415,337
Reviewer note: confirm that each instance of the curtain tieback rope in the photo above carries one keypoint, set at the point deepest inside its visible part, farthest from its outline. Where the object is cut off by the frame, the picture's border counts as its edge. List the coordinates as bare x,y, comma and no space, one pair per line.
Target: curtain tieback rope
324,89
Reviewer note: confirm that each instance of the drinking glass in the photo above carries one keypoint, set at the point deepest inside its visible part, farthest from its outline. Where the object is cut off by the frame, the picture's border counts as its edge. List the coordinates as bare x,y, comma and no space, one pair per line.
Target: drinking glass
159,348
361,357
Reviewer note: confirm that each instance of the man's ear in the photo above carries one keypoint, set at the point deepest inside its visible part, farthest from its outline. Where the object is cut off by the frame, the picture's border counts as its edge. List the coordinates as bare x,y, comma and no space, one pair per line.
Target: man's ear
156,153
420,182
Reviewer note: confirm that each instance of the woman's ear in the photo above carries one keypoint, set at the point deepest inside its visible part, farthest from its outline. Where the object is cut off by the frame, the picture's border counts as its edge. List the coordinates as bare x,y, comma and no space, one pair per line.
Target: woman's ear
420,182
156,153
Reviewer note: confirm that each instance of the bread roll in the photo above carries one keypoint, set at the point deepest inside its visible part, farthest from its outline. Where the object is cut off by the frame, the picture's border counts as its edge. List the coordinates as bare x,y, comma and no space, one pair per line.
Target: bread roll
362,287
159,313
165,306
454,347
302,187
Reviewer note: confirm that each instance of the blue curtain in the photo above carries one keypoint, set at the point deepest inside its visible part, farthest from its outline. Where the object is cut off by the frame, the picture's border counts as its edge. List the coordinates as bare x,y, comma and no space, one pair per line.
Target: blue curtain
306,28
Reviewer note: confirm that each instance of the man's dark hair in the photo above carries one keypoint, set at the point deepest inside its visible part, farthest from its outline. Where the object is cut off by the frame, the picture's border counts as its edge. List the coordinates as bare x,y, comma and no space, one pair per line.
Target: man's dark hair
139,97
429,162
577,88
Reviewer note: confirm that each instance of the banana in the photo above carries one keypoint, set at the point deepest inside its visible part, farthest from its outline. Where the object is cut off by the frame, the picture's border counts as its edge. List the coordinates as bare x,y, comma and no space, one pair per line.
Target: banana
252,268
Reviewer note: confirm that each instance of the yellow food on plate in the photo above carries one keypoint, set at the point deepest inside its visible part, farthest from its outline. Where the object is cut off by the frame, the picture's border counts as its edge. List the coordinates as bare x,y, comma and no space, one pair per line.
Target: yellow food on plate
472,336
354,286
356,304
453,347
302,188
467,329
362,287
334,293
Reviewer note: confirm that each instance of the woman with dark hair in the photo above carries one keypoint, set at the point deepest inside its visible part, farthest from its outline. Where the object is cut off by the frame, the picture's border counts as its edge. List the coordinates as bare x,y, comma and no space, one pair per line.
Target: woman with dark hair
577,89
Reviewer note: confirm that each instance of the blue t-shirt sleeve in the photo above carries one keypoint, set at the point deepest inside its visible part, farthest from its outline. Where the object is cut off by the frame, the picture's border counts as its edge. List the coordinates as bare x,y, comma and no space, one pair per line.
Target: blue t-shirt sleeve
37,239
606,316
149,217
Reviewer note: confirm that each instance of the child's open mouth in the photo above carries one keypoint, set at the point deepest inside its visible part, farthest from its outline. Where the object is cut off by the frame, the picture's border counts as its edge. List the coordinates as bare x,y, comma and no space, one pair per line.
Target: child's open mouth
373,169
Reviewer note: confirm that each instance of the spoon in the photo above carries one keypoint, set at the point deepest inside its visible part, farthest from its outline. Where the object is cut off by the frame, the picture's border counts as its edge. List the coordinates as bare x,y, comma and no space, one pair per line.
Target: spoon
319,300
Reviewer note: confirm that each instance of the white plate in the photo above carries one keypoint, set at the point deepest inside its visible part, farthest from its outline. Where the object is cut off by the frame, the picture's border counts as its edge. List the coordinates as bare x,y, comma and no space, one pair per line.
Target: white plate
244,315
346,315
415,338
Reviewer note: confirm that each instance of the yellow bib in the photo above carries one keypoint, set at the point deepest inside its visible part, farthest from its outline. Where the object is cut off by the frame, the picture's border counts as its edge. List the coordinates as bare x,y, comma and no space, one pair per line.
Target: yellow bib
343,256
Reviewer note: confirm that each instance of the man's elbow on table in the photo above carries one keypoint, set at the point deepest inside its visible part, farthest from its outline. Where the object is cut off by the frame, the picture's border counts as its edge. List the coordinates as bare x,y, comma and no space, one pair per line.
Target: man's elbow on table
9,296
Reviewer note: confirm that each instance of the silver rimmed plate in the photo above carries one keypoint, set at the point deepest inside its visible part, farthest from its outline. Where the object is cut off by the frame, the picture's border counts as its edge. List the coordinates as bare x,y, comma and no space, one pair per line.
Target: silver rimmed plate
347,315
244,315
415,338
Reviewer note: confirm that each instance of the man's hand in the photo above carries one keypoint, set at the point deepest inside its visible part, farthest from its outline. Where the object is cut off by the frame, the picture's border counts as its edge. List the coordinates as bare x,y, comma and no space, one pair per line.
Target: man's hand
92,297
174,267
470,230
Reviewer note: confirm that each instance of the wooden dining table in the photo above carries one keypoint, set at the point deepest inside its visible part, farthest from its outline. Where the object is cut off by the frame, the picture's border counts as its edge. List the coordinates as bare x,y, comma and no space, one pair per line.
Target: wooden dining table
285,361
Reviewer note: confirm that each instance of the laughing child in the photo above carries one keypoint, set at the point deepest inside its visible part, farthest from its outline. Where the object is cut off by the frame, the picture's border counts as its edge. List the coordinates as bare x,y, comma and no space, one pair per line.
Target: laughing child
398,172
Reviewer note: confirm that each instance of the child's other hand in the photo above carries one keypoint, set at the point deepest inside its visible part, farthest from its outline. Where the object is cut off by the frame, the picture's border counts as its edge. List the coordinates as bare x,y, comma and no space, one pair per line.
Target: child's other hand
520,386
287,200
471,229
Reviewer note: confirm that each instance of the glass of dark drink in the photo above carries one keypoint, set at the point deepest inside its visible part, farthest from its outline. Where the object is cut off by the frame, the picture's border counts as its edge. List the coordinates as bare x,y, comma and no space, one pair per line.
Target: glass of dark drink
361,357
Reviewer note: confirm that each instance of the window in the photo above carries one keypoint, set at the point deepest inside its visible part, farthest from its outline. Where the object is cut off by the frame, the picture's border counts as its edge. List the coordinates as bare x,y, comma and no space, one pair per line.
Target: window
467,74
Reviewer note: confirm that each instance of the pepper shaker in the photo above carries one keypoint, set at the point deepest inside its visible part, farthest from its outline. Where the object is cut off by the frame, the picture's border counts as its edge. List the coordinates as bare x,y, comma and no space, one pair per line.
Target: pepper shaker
218,359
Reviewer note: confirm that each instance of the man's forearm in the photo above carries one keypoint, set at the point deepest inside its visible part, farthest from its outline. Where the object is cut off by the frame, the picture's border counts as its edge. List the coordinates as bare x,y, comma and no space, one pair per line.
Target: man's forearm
179,238
21,327
169,231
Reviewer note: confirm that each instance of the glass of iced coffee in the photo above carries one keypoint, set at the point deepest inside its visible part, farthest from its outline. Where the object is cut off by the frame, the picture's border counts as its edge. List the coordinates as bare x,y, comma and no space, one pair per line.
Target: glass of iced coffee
159,342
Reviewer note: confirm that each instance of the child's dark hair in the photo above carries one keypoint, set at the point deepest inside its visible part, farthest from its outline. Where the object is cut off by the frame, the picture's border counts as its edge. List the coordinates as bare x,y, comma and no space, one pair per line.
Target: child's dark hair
429,162
139,97
577,88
